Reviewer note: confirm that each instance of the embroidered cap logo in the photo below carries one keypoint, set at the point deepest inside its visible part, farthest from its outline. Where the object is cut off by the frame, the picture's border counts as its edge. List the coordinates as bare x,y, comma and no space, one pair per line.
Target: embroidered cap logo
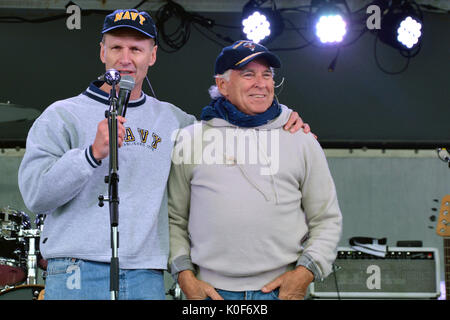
250,45
127,15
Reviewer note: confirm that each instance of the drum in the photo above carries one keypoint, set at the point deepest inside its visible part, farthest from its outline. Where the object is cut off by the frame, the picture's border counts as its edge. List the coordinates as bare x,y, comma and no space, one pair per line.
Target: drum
12,247
12,261
12,221
23,292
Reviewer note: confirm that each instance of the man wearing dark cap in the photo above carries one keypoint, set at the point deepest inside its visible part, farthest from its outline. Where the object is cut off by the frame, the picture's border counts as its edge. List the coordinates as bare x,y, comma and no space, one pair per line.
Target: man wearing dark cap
253,211
65,164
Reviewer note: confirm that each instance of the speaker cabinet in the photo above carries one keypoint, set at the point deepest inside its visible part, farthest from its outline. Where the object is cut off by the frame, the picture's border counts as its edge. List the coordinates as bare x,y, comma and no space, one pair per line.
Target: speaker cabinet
404,273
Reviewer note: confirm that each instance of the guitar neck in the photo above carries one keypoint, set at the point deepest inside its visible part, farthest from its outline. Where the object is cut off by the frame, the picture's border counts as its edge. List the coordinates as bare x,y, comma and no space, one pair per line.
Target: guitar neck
443,229
447,267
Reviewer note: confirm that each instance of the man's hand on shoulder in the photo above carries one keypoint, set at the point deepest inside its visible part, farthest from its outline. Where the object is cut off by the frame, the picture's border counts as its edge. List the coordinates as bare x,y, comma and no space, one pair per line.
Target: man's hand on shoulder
296,123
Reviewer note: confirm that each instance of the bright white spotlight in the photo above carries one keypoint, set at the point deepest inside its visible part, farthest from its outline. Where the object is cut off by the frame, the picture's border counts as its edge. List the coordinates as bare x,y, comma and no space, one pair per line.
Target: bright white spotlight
331,28
409,32
256,27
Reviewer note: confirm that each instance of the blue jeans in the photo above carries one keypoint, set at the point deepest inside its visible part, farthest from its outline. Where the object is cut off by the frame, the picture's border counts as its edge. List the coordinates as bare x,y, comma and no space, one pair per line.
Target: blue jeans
75,279
248,295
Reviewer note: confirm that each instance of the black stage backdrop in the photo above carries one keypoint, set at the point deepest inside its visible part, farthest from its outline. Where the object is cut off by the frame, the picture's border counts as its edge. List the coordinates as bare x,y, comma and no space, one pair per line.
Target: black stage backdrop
357,105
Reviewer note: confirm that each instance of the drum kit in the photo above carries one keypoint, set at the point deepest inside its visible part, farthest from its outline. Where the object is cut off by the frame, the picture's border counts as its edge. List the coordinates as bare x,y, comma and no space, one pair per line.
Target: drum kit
20,258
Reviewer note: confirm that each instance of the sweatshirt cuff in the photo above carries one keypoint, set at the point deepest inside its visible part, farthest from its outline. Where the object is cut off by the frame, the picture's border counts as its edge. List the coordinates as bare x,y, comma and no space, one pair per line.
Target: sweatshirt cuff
179,264
307,262
90,158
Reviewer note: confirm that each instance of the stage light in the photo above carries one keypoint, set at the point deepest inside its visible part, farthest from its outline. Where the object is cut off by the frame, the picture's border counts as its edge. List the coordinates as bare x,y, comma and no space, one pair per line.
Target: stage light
331,28
401,25
409,32
261,25
328,21
256,27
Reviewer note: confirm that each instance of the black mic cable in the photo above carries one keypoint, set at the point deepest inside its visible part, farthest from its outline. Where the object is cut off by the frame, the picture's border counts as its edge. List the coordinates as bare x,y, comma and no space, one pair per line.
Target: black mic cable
149,84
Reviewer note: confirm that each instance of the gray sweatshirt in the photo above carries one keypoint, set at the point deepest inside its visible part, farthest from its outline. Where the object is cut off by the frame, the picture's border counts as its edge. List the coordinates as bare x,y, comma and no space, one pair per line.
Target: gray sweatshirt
59,177
248,204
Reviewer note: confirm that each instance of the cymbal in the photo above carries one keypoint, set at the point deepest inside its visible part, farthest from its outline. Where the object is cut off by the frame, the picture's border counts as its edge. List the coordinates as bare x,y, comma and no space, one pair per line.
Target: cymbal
14,112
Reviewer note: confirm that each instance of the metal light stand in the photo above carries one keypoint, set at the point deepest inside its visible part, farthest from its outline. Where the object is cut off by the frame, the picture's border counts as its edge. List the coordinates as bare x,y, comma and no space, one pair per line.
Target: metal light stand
112,77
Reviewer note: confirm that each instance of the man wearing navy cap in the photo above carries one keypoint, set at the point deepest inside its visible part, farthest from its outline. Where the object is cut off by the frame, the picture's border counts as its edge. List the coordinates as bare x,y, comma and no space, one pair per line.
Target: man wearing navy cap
66,161
253,210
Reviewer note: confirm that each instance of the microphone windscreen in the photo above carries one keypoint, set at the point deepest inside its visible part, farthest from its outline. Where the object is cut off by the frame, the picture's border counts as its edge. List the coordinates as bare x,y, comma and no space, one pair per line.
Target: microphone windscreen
127,83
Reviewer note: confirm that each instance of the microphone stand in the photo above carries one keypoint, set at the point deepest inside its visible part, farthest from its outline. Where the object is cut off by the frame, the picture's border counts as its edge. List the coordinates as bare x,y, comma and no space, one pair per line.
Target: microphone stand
113,190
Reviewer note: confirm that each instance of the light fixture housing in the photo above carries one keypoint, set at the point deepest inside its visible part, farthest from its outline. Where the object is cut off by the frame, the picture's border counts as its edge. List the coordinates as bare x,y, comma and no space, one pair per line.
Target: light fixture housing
331,28
261,25
401,26
329,22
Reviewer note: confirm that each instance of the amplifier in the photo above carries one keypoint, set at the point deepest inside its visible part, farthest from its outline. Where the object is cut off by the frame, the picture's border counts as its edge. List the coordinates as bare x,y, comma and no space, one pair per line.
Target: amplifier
403,273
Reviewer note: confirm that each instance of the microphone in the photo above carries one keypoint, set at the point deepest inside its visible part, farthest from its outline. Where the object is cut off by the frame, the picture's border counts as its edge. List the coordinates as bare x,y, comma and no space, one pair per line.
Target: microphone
111,77
126,84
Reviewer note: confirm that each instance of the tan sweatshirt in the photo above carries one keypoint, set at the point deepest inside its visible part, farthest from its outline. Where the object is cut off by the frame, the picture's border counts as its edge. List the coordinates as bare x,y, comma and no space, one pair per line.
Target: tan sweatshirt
248,204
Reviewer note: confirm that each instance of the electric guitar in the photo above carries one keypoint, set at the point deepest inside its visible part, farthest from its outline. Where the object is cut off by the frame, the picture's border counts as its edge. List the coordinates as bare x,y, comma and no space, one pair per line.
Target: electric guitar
443,229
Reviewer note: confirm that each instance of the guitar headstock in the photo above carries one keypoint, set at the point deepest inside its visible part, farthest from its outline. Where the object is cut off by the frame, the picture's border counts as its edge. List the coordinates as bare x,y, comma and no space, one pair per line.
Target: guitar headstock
443,224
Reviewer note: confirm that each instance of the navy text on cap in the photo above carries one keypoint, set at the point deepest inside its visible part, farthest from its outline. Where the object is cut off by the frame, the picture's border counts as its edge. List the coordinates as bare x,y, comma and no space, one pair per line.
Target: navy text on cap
130,18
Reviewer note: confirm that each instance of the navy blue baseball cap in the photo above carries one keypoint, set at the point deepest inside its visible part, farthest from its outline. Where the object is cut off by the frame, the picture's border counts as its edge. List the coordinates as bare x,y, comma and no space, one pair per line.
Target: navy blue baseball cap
241,53
130,18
